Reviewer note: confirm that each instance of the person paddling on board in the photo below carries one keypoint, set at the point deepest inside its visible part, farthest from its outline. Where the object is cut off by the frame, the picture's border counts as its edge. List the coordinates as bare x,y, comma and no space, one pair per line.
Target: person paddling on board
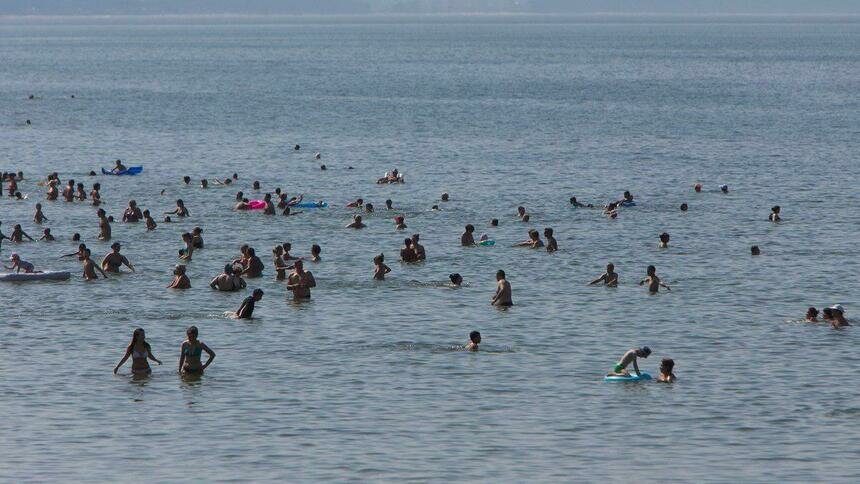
620,368
19,265
119,167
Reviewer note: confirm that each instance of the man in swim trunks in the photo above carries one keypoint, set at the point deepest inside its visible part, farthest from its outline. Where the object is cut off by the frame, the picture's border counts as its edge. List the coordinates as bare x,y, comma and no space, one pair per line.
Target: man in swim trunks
228,281
246,310
620,368
653,281
610,277
114,260
301,282
502,297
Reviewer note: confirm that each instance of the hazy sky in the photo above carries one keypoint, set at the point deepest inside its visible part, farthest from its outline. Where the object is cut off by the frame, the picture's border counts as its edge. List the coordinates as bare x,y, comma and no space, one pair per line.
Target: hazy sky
117,7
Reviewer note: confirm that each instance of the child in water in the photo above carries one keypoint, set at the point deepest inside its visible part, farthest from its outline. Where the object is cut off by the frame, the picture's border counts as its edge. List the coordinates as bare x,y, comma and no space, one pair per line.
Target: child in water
666,367
380,269
620,368
664,241
653,281
474,341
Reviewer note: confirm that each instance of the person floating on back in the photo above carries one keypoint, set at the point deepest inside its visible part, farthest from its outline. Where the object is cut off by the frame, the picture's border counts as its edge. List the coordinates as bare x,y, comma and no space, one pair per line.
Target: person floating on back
620,368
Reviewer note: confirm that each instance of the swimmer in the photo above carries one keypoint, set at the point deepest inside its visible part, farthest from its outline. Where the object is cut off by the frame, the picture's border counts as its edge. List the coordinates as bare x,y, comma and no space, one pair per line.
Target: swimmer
420,254
270,206
407,252
90,267
697,187
368,208
132,213
239,196
724,188
667,365
358,203
114,260
139,351
474,341
626,198
611,210
838,313
180,210
631,356
296,148
243,204
356,223
95,196
19,265
255,265
38,216
684,207
46,236
53,192
521,212
190,352
188,252
608,278
317,156
664,241
445,197
494,222
118,167
186,180
197,238
228,281
301,282
774,214
811,315
754,250
434,208
150,222
502,296
379,268
180,279
18,234
534,241
389,205
575,203
243,258
69,191
315,253
82,248
399,223
653,281
255,185
456,280
468,239
279,263
551,243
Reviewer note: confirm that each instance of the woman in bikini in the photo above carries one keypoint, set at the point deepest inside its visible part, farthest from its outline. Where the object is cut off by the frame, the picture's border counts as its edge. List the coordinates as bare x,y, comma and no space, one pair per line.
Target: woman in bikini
139,351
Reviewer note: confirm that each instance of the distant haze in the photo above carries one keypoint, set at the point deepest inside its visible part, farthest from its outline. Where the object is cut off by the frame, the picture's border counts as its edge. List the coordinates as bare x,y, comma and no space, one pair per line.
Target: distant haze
158,7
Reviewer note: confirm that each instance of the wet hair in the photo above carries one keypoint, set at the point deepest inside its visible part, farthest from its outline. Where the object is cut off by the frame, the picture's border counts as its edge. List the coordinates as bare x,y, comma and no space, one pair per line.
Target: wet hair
251,252
257,292
667,365
434,207
369,207
645,350
755,250
180,268
357,218
526,217
683,207
76,237
239,195
500,273
811,313
775,208
192,330
360,201
534,234
101,212
572,200
664,237
186,179
827,313
470,228
651,269
204,183
287,246
407,242
548,231
388,202
256,184
316,249
610,266
415,237
456,278
475,337
179,201
378,259
494,222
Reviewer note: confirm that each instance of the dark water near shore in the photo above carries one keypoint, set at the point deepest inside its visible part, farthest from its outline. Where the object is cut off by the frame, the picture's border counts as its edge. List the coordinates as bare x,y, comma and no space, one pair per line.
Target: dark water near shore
365,382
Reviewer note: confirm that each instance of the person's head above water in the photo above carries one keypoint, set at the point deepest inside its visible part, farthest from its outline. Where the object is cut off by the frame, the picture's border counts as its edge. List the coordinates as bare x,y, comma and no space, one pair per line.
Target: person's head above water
228,269
526,217
192,332
573,200
470,228
500,274
667,365
494,222
257,294
754,250
256,185
186,179
697,187
643,352
475,337
455,278
316,249
445,197
811,313
724,188
610,267
651,270
775,209
547,232
684,207
389,204
664,237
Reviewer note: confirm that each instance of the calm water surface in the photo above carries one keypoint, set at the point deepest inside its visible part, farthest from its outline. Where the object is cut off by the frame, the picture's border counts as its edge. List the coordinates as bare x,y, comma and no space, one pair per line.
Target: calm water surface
365,382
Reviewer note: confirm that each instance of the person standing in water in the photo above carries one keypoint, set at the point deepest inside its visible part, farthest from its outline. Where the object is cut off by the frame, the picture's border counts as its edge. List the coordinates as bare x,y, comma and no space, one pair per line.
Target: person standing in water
140,352
609,278
664,241
653,281
180,209
190,352
420,254
666,371
551,243
104,225
502,297
132,213
356,223
468,237
114,260
90,267
534,241
315,253
301,282
255,265
774,214
180,279
379,268
38,216
228,281
246,310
